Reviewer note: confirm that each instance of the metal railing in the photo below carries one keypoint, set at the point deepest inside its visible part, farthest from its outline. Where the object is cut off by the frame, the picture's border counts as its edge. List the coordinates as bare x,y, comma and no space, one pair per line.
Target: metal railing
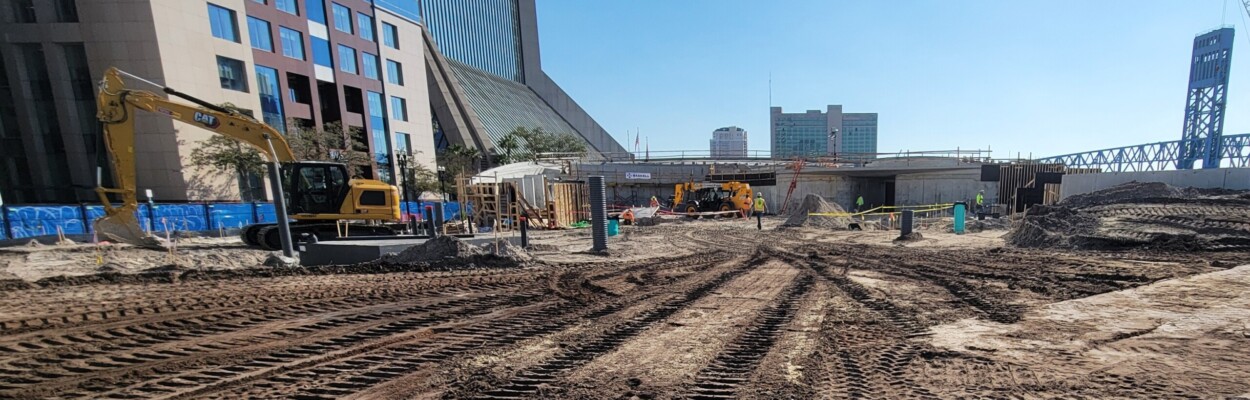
765,156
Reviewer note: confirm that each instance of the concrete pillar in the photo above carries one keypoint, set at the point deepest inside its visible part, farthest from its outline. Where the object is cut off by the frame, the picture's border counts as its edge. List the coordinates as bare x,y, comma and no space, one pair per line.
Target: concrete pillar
598,213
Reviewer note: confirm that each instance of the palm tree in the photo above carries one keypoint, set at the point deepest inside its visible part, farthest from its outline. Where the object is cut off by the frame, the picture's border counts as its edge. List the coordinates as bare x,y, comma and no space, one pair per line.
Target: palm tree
508,144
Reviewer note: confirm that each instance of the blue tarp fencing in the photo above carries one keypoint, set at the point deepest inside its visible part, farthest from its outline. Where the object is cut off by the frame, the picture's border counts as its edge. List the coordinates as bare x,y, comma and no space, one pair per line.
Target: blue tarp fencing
24,221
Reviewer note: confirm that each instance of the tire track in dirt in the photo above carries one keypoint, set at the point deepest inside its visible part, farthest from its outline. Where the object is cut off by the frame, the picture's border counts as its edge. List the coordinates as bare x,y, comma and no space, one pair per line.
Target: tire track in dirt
148,330
574,324
721,378
697,334
46,309
866,345
127,372
527,382
139,340
124,356
365,366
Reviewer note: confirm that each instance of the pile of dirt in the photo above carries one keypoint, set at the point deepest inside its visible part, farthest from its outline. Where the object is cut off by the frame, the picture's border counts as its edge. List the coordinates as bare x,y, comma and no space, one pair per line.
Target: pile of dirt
1132,192
507,250
438,249
910,237
815,204
449,252
1140,216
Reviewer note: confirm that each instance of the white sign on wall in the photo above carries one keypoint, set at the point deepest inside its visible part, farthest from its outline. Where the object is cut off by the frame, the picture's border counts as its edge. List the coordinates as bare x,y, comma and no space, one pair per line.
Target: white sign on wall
637,175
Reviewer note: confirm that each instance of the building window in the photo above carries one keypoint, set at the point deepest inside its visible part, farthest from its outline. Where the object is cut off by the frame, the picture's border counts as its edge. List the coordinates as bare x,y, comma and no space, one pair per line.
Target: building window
403,143
270,97
23,11
370,64
223,23
390,36
316,10
292,42
46,123
375,108
287,6
79,73
377,130
231,73
298,88
394,72
321,52
347,59
399,108
266,2
353,100
365,23
342,18
66,11
259,33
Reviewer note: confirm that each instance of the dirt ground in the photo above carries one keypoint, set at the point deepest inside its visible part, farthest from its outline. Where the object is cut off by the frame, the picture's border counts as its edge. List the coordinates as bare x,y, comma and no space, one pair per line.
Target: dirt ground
686,309
37,261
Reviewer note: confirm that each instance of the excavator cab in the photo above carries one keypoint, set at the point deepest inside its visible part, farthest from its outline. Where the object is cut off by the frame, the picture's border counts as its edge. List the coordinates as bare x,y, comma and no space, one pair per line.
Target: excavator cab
315,187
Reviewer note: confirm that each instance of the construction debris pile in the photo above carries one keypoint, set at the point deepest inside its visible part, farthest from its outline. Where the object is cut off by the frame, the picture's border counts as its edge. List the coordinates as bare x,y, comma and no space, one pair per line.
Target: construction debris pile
1140,216
815,204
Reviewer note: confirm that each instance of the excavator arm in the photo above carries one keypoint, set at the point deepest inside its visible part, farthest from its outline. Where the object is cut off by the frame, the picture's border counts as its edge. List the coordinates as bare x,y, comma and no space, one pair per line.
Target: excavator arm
117,108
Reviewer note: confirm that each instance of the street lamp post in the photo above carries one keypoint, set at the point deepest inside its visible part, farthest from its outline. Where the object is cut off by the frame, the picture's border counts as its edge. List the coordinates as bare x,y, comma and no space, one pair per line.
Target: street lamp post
441,186
833,137
403,172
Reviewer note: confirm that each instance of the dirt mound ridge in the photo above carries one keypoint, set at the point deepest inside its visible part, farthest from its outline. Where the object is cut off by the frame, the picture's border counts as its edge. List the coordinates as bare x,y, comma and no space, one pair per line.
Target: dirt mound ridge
1140,216
815,204
438,249
453,253
1131,192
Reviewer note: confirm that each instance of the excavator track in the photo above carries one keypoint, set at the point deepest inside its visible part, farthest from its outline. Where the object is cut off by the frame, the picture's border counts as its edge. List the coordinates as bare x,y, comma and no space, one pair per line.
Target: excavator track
267,237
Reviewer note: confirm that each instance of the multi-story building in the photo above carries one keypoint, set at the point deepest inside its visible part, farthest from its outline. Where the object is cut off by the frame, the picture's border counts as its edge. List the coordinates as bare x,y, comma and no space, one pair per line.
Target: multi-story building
818,134
729,142
487,77
310,62
369,65
858,135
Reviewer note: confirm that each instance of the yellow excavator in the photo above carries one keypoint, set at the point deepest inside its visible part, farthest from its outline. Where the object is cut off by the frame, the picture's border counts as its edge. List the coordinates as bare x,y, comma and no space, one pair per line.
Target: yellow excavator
690,197
318,195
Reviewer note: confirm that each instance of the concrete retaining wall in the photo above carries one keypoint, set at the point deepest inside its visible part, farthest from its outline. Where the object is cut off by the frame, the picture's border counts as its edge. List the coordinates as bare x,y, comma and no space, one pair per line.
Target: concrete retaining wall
910,189
942,187
1227,178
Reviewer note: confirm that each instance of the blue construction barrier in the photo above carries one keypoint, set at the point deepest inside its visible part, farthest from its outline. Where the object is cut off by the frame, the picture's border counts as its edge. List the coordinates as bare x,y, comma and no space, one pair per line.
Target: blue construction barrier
451,210
17,222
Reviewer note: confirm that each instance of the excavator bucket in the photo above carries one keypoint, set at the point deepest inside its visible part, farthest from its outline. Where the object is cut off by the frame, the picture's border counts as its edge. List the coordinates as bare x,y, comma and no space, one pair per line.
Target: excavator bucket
120,225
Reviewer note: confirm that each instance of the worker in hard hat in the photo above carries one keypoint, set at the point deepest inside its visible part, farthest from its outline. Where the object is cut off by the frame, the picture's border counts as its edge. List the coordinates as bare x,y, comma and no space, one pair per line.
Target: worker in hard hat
980,201
859,204
654,202
759,208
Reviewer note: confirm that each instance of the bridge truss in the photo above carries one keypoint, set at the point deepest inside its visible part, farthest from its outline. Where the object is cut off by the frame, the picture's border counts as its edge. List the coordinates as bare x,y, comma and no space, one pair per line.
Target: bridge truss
1233,152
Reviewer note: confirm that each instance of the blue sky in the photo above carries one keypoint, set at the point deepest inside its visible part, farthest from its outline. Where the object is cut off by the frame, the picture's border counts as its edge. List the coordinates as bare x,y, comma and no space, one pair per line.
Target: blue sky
1047,77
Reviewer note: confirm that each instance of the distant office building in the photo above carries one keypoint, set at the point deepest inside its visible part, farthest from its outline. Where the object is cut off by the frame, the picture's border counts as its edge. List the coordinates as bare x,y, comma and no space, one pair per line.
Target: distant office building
821,134
729,142
858,135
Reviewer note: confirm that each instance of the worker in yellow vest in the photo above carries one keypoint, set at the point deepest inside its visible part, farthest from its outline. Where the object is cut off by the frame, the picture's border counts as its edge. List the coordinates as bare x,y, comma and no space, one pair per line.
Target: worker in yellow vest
759,209
980,201
859,204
